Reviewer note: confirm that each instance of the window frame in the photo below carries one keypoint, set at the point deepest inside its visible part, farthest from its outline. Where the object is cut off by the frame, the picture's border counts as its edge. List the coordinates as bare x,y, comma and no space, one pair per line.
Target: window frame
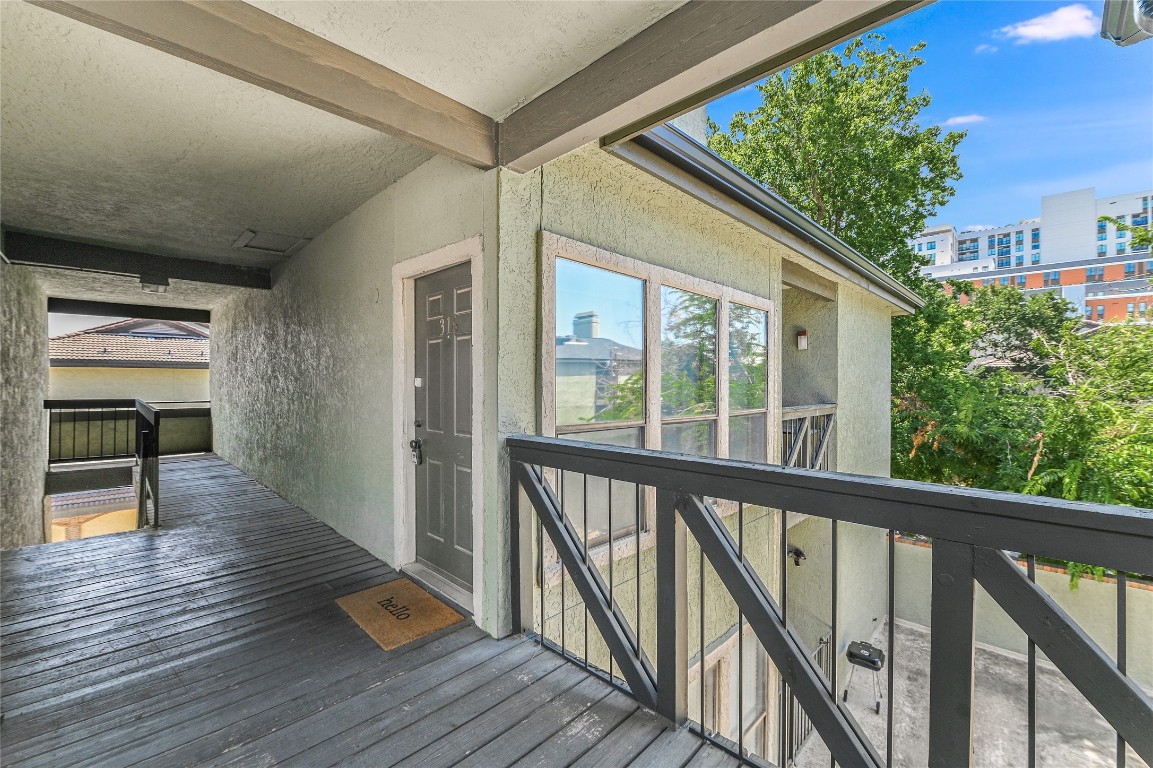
556,246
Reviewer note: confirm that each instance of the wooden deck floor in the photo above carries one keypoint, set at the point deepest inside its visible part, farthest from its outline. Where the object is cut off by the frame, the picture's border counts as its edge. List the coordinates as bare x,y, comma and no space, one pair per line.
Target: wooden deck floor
216,641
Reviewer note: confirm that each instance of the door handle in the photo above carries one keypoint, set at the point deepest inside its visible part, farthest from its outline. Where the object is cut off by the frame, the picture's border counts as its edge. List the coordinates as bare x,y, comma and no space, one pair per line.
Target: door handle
417,454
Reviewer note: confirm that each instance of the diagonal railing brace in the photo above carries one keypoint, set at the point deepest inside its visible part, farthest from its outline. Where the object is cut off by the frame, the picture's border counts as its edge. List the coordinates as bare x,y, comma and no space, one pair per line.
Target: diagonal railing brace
605,614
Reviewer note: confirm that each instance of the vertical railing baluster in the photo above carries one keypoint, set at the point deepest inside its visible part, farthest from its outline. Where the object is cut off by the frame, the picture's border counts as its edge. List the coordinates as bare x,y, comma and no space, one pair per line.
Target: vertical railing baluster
612,557
102,432
672,603
637,534
833,600
1031,565
701,622
540,562
741,639
1122,641
891,644
585,549
951,656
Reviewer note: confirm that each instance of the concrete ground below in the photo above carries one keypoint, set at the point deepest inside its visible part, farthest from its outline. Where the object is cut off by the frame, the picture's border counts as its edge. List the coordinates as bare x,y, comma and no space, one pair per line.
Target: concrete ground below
1070,733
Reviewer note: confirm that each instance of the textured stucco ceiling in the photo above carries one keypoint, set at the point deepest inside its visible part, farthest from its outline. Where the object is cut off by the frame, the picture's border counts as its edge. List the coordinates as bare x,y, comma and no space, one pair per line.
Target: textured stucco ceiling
491,55
120,289
107,140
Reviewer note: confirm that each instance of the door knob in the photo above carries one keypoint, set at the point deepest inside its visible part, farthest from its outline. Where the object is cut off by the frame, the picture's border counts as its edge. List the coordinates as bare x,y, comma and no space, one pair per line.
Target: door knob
417,454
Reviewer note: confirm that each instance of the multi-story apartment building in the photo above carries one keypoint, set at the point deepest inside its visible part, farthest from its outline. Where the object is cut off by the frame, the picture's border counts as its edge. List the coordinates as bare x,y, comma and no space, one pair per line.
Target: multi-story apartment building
1093,264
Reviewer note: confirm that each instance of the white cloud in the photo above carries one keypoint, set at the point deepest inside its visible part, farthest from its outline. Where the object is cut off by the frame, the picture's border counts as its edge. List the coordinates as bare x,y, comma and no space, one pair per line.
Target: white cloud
964,120
985,48
1062,24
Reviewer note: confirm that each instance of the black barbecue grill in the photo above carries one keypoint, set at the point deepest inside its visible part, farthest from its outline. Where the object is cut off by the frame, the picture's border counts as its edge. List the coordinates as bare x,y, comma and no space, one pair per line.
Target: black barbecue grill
862,654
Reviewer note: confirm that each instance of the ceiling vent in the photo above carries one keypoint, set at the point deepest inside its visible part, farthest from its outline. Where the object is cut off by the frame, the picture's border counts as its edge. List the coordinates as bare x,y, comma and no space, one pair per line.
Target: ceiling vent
269,243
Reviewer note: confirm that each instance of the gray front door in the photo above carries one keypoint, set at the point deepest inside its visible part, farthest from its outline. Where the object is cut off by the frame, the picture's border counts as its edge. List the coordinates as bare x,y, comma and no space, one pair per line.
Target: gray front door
444,422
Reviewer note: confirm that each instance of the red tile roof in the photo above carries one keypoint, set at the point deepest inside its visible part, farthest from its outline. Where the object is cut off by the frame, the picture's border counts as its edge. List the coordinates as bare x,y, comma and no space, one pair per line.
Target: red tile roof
133,343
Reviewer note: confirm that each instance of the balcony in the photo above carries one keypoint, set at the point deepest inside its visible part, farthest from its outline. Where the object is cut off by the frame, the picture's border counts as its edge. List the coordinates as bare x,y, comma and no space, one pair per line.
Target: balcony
740,626
108,444
216,640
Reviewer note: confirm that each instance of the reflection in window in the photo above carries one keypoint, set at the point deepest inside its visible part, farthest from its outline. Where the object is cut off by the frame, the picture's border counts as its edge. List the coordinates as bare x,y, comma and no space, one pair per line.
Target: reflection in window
600,333
747,349
596,502
748,437
688,353
697,437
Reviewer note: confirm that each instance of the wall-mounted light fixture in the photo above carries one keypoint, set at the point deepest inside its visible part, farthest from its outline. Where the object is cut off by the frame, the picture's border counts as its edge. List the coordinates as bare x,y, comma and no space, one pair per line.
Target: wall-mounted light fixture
154,284
802,339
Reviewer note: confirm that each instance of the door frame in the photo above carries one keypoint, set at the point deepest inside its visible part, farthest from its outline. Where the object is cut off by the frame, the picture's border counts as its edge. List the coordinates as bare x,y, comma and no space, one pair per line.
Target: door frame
404,276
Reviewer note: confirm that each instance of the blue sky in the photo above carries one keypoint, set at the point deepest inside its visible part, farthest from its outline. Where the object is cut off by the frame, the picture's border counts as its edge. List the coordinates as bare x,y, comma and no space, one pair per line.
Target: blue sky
1048,104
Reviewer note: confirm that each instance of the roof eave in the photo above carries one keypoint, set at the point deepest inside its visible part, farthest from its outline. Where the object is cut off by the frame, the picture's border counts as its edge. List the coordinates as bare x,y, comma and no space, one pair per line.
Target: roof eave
690,157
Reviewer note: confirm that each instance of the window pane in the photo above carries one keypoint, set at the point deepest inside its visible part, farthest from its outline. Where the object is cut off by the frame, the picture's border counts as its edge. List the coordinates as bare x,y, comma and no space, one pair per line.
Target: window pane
747,437
695,437
600,332
747,346
598,497
688,353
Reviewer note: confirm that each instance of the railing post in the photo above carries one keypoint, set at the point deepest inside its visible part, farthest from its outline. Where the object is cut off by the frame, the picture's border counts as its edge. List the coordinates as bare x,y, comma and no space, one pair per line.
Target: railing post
672,611
951,657
521,556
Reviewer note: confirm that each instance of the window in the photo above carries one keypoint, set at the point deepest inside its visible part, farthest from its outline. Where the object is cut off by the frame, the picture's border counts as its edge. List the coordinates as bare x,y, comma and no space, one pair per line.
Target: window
599,385
1052,278
1121,218
1120,234
1020,248
1130,269
1036,245
987,281
1100,227
1088,312
1020,260
1094,274
1129,308
1004,281
1020,281
748,361
920,247
1036,258
704,339
1003,262
1102,249
1101,235
992,252
932,246
1142,308
1100,311
1120,248
688,372
1020,236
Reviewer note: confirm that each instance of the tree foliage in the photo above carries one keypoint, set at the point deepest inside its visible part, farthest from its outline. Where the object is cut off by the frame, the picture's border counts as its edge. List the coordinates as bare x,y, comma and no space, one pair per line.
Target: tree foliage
992,388
838,136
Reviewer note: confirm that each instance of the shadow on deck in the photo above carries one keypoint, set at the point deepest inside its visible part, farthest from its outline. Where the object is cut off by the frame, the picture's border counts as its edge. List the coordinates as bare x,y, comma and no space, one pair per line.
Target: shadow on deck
217,641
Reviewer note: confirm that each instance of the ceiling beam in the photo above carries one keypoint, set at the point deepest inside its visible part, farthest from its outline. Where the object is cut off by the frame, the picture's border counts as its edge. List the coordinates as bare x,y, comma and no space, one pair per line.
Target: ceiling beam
697,53
138,311
246,43
39,251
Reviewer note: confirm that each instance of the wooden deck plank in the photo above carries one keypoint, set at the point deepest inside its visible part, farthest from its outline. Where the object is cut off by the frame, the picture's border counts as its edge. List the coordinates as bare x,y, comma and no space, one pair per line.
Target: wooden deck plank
579,736
672,749
622,745
396,735
216,641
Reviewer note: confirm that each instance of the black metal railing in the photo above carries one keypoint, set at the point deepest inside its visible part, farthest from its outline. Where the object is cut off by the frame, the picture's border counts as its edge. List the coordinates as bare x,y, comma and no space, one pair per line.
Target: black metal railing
148,461
807,432
709,584
91,429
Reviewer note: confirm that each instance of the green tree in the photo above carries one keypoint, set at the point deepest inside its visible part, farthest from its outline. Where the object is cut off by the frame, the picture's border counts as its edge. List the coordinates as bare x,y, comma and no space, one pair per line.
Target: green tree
1141,237
838,136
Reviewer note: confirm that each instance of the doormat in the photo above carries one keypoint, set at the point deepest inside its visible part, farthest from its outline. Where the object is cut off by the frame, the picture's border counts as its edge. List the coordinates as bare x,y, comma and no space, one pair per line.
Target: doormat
397,613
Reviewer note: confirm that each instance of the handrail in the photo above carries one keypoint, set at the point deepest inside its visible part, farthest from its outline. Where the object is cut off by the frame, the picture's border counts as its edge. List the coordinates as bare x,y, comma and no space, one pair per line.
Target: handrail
970,529
1107,535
